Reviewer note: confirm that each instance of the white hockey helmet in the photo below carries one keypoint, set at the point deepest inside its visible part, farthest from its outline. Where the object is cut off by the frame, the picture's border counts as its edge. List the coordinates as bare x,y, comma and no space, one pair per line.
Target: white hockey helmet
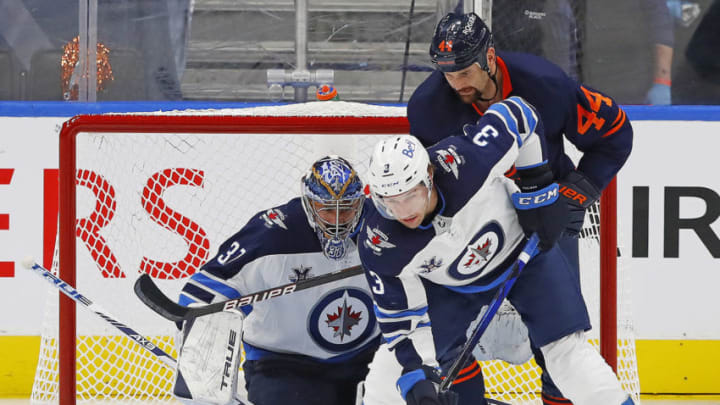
398,164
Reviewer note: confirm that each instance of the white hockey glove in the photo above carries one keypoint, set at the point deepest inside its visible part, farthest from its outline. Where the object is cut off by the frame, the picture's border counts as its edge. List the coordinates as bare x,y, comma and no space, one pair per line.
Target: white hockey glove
209,352
506,338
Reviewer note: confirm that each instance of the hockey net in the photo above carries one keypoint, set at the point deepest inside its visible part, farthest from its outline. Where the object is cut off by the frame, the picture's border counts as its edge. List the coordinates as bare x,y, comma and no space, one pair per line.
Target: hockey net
158,193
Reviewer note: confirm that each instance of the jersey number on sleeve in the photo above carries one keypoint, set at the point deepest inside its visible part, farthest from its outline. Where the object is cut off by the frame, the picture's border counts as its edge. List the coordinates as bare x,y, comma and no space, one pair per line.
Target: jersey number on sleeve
586,118
223,259
486,132
377,287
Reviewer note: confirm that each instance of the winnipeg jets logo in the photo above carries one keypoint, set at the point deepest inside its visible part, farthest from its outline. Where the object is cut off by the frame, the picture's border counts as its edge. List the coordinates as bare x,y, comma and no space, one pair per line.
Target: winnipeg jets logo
430,265
449,160
478,254
342,319
274,217
300,274
377,241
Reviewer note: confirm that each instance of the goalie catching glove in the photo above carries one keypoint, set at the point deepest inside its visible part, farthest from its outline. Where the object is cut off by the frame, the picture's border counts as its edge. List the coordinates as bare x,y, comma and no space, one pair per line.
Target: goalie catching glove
421,387
579,193
537,205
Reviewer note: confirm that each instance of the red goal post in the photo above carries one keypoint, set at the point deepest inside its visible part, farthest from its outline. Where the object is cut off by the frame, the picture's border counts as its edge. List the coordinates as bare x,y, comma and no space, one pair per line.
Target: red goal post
272,131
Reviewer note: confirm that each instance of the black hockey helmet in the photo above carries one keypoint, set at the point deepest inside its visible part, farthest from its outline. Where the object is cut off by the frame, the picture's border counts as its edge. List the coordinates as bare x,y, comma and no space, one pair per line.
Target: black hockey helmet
459,41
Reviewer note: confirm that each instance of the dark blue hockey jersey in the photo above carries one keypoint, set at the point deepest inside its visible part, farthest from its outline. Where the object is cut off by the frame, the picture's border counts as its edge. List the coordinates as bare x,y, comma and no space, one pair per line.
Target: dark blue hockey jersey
329,322
587,118
467,247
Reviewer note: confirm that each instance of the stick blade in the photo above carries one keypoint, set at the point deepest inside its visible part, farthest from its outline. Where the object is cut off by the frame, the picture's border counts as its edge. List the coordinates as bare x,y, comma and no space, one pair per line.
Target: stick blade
149,293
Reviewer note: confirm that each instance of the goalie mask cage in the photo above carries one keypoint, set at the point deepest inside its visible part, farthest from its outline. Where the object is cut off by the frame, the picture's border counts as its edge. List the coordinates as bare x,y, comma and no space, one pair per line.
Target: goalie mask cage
158,193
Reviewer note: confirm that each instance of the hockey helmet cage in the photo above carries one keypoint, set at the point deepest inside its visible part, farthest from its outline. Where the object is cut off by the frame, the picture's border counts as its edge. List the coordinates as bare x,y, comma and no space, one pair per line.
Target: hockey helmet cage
459,41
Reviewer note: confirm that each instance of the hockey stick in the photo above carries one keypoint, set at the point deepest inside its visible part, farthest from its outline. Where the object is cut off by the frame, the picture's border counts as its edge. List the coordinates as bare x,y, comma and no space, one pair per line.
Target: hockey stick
153,297
528,252
75,295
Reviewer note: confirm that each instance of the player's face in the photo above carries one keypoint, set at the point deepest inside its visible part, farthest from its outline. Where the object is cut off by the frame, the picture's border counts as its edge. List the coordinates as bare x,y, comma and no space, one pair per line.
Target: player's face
469,83
473,84
340,214
409,207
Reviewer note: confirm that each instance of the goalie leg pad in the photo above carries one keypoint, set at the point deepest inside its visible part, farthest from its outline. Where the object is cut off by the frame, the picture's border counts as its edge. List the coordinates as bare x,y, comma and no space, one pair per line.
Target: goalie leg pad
581,373
506,337
209,350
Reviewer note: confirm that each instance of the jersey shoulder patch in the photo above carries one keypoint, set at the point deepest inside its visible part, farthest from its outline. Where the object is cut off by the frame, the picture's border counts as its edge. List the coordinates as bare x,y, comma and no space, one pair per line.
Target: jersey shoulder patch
386,246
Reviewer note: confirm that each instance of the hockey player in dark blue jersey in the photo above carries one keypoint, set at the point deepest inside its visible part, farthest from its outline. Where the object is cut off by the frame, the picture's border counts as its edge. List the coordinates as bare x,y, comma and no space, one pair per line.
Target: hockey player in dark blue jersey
470,76
444,235
311,347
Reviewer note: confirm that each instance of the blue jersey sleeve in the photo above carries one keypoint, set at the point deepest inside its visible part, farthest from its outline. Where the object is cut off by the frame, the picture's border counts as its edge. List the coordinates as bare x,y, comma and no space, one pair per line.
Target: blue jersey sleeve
401,306
276,231
602,132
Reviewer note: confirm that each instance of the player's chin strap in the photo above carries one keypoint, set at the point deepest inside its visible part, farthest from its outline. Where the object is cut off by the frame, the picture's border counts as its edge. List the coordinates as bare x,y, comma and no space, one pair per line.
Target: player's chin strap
493,77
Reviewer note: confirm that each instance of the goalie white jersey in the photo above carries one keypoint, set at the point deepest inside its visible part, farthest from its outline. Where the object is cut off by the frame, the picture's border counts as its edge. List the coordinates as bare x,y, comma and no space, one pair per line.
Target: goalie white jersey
330,322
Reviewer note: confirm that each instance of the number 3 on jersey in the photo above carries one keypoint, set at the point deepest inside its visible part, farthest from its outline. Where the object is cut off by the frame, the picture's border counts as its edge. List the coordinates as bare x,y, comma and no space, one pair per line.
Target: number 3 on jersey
486,132
377,284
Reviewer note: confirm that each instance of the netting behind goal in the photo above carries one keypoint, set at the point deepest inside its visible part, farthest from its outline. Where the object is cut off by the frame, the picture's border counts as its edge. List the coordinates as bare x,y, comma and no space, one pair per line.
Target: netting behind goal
158,194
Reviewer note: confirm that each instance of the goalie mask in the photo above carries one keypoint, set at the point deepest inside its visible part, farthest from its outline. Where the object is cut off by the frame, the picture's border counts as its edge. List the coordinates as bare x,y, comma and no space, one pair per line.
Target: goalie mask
332,196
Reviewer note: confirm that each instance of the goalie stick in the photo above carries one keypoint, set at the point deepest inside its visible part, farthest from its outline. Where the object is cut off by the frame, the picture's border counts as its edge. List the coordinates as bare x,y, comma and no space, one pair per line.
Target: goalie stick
76,296
153,297
528,252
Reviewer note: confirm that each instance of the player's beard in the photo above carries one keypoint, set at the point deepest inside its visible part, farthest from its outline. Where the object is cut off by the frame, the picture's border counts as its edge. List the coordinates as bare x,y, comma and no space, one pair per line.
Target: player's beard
470,98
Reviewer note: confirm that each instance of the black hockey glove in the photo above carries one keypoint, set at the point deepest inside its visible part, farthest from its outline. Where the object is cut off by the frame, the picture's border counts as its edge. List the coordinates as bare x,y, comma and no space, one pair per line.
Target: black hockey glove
538,207
578,192
423,390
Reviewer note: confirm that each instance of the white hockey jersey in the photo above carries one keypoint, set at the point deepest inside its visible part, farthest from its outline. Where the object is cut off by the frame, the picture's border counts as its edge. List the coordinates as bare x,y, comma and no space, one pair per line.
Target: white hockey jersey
330,322
471,241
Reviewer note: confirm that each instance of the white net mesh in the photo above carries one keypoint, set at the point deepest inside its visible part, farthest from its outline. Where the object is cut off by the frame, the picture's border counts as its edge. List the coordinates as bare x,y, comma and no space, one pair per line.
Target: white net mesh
161,203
